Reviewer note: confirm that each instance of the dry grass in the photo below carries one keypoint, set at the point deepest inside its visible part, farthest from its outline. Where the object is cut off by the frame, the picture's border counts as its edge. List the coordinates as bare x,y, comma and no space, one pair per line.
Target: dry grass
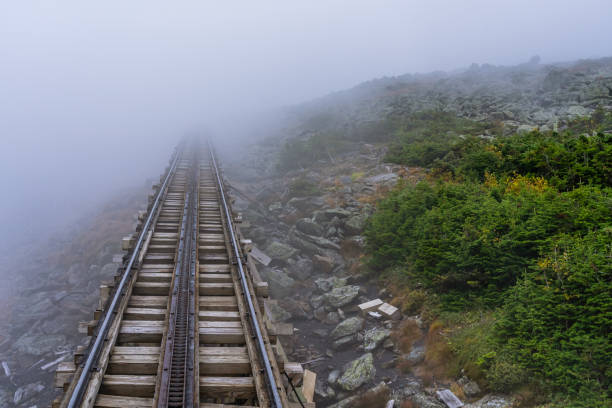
406,334
438,354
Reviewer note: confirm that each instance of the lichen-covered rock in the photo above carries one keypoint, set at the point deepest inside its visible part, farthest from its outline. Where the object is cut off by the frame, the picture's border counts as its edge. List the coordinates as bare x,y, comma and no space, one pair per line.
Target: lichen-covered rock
301,269
327,284
307,226
354,225
342,295
492,401
279,251
374,337
357,372
347,327
280,283
337,212
277,313
470,388
343,342
425,401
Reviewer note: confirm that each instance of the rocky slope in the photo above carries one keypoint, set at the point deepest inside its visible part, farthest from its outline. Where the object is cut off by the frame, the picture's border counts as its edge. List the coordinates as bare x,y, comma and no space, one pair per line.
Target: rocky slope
53,286
309,221
530,94
310,224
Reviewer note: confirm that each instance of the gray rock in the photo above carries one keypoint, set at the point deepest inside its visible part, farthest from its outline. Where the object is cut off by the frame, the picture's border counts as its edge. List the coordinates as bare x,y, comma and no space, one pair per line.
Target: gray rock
342,296
386,178
346,403
525,128
343,342
280,283
492,401
275,207
279,251
323,390
323,264
336,212
319,241
354,225
416,355
357,372
577,110
6,398
327,284
347,327
374,337
332,318
23,394
470,388
304,245
307,226
278,314
317,301
301,269
333,376
425,401
109,270
40,344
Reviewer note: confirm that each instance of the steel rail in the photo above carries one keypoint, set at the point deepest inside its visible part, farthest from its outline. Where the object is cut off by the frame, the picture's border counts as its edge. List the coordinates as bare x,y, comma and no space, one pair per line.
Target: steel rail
76,396
245,288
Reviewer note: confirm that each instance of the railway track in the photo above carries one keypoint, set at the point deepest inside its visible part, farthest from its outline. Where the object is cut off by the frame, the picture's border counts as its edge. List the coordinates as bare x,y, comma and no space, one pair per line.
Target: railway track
184,324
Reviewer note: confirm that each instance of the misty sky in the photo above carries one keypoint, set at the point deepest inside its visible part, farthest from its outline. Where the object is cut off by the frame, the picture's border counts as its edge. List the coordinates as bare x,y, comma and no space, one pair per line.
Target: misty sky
93,94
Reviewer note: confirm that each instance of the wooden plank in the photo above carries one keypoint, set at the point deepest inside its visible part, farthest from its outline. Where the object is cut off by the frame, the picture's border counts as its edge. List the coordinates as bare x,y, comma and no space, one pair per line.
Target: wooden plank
370,306
63,374
135,364
154,276
224,387
128,385
215,277
212,405
218,315
148,301
142,313
134,331
152,288
225,364
388,311
115,401
221,335
308,385
227,303
216,289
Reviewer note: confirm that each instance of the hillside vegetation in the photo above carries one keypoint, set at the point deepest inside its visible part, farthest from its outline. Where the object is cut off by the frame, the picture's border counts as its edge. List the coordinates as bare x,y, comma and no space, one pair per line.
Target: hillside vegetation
509,244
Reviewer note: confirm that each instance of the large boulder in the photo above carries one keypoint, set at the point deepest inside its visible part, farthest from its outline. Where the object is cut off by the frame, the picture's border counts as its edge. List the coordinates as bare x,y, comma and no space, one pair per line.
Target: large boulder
307,226
280,283
327,284
354,225
323,264
342,296
347,327
279,251
301,269
357,373
374,337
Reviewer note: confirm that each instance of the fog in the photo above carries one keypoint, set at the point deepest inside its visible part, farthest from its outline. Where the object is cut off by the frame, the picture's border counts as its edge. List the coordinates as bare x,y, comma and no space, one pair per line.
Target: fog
93,95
